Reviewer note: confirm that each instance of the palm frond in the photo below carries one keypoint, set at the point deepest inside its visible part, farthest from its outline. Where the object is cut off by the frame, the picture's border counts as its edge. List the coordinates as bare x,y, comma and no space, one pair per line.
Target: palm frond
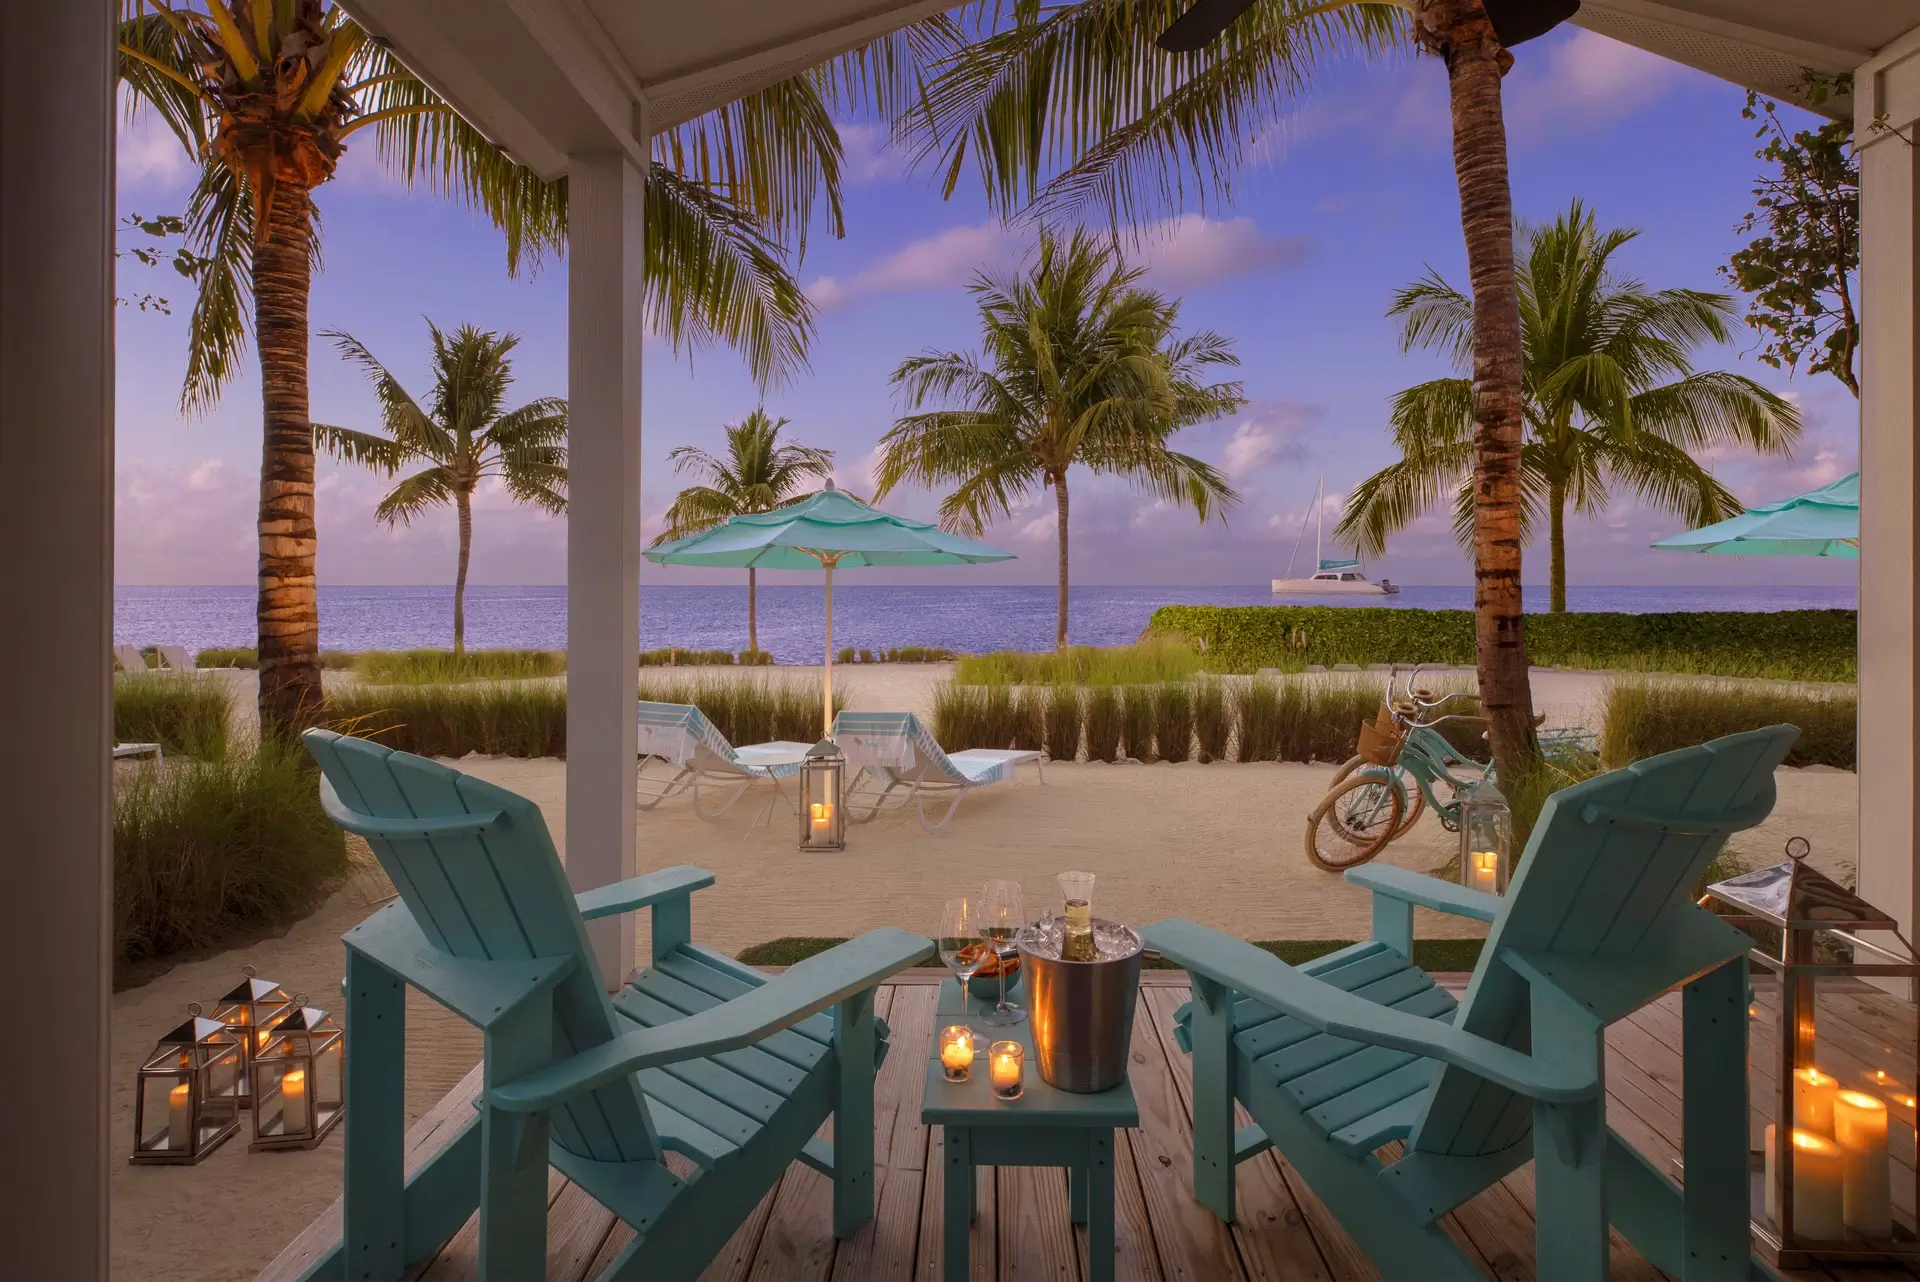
157,67
1401,493
377,453
1715,408
220,233
1663,475
412,430
697,508
414,495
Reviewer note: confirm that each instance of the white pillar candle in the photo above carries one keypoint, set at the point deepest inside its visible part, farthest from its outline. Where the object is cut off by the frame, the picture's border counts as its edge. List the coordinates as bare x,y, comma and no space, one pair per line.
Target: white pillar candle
1819,1177
821,819
293,1101
1486,868
180,1118
1813,1093
1860,1128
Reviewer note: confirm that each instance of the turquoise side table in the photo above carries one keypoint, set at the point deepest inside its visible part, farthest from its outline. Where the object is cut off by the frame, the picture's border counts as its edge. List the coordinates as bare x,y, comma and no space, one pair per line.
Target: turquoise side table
1045,1127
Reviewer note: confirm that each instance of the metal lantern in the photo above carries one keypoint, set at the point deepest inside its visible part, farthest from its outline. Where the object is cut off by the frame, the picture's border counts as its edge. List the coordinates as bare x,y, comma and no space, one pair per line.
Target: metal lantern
1486,839
186,1098
823,824
250,1011
1833,1053
297,1080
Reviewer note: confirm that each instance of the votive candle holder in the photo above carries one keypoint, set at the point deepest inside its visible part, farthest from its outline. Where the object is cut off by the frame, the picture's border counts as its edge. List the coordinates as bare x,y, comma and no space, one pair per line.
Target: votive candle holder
1006,1062
956,1052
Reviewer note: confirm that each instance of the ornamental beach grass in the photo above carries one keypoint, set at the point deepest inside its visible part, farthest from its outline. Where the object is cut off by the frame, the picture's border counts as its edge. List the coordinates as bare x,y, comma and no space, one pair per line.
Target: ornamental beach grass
1173,721
1645,717
1062,722
184,714
1137,717
1212,720
1104,719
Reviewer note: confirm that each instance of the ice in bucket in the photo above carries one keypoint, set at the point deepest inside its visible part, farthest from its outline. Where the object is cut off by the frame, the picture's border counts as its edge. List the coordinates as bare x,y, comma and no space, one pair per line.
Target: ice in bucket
1077,942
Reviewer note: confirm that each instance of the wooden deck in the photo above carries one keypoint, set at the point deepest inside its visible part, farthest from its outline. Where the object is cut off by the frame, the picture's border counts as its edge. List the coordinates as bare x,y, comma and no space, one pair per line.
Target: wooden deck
1023,1234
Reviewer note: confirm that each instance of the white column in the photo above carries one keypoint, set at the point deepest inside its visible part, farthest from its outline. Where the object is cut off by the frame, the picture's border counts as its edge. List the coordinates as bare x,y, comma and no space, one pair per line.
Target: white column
56,578
604,283
1887,91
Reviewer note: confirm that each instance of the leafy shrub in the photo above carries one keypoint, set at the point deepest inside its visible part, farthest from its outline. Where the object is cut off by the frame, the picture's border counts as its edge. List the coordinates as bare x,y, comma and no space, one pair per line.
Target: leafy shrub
1104,723
182,714
1137,717
1212,720
1147,663
1256,716
1646,717
412,667
1062,722
227,657
1173,721
674,656
205,849
1810,645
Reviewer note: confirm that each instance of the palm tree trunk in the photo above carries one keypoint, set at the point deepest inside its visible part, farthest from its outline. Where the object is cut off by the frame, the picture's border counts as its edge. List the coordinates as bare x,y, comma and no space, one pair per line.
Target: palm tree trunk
1060,607
463,503
1460,32
1557,548
287,612
753,609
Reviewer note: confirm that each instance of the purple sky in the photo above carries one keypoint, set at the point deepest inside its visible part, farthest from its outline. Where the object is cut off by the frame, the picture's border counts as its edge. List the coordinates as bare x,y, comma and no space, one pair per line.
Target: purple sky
1352,198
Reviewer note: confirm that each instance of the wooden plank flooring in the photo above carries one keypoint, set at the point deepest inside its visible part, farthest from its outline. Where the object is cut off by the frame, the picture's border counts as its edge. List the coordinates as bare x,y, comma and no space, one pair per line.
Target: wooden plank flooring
1023,1234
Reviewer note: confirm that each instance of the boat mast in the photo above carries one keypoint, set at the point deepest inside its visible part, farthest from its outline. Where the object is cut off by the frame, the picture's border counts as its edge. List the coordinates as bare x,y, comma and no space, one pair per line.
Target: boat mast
1297,540
1319,518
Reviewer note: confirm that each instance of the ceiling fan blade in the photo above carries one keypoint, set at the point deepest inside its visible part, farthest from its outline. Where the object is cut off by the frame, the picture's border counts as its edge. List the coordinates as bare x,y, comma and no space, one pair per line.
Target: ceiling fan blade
1198,26
1515,21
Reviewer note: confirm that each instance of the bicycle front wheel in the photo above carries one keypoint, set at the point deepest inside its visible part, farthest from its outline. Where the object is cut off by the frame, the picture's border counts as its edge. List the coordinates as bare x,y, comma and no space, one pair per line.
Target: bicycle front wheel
1414,801
1355,821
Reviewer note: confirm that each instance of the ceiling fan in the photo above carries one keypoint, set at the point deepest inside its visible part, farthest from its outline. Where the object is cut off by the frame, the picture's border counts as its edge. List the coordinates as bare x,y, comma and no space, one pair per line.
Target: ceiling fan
1514,21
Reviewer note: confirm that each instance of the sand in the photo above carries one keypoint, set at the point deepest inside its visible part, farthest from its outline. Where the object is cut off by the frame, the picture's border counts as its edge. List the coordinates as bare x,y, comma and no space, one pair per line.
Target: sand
1218,843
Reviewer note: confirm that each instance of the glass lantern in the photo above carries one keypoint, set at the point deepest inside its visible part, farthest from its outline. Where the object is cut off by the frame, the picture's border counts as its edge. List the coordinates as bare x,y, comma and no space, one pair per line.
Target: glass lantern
823,824
250,1011
297,1080
1486,839
186,1099
1831,1069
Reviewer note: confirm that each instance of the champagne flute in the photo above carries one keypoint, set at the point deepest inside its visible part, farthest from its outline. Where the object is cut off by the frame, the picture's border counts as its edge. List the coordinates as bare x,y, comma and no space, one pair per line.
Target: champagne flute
1003,911
960,942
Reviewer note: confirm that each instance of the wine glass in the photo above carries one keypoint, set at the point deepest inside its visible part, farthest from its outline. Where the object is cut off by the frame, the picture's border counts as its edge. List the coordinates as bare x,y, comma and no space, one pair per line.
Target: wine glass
1003,911
960,942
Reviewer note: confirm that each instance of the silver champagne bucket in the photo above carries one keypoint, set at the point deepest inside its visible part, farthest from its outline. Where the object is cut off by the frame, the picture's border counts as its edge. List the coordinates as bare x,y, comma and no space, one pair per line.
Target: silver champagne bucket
1082,1013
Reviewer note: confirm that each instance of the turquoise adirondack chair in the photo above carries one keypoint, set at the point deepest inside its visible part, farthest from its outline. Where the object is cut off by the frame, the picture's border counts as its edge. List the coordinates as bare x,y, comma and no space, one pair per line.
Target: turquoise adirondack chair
1359,1048
699,1055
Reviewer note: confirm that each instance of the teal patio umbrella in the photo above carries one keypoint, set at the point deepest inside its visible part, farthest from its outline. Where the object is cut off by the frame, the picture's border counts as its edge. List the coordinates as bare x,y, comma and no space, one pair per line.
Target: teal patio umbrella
830,530
1822,522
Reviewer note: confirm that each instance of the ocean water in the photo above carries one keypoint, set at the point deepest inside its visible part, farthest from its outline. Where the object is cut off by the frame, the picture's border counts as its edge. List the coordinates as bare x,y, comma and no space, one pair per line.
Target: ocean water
970,619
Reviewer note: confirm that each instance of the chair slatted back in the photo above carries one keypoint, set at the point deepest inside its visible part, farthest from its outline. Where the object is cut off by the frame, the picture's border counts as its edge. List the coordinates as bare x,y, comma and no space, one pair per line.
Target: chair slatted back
1612,861
681,734
495,893
893,741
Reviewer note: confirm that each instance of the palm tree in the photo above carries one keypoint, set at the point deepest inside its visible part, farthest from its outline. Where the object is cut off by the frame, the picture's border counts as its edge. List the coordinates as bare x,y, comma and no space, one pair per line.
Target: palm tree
1599,351
466,435
1078,103
1081,366
758,474
266,96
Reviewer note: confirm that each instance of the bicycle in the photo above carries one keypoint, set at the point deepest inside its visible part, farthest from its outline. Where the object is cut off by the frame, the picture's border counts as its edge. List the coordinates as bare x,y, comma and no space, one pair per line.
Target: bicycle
1368,805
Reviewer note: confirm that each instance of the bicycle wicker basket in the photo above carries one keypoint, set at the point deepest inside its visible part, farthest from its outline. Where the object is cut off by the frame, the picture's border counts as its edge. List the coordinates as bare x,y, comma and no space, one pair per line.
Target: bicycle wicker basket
1380,741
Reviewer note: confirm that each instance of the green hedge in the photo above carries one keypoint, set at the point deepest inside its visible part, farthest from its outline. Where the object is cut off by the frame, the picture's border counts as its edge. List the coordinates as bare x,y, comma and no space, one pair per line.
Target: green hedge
1804,645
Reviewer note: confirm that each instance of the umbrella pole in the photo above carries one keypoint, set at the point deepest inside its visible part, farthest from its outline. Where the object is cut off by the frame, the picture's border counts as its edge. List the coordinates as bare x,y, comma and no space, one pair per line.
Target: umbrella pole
827,718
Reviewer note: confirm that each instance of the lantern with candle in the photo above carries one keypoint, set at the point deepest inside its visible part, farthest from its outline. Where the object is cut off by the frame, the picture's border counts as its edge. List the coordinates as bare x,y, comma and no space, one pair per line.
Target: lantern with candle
250,1011
297,1080
1486,839
1844,1097
823,825
185,1103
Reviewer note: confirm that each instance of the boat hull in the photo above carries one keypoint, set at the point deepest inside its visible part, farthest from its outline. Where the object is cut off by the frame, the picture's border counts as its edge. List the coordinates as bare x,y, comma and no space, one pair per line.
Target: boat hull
1322,587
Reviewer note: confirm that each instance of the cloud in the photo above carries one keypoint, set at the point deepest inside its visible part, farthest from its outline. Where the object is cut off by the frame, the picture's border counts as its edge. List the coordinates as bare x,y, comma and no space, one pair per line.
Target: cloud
147,155
1592,78
868,155
1192,251
1274,431
944,260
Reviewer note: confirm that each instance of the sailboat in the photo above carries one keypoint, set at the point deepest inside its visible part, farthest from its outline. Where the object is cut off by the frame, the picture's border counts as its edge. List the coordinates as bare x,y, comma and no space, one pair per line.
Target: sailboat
1336,576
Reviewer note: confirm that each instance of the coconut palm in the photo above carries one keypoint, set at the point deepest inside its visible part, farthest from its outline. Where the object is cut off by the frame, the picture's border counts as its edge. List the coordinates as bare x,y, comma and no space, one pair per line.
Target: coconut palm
1610,398
267,96
1081,367
758,474
466,435
1081,103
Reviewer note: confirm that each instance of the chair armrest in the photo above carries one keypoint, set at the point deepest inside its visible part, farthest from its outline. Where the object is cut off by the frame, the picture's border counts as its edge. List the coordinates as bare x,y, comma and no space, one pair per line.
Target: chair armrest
784,1000
481,992
400,828
642,891
1255,973
1427,892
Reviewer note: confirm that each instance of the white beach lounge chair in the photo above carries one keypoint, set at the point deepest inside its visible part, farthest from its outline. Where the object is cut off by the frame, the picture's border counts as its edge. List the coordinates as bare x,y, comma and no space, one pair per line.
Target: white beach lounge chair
896,760
174,658
135,751
130,658
680,735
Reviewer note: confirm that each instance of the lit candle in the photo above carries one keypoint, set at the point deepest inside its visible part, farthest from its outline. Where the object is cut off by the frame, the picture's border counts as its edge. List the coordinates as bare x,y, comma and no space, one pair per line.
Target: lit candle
956,1052
1860,1127
180,1117
1004,1060
1486,867
293,1101
821,818
1813,1093
1819,1182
